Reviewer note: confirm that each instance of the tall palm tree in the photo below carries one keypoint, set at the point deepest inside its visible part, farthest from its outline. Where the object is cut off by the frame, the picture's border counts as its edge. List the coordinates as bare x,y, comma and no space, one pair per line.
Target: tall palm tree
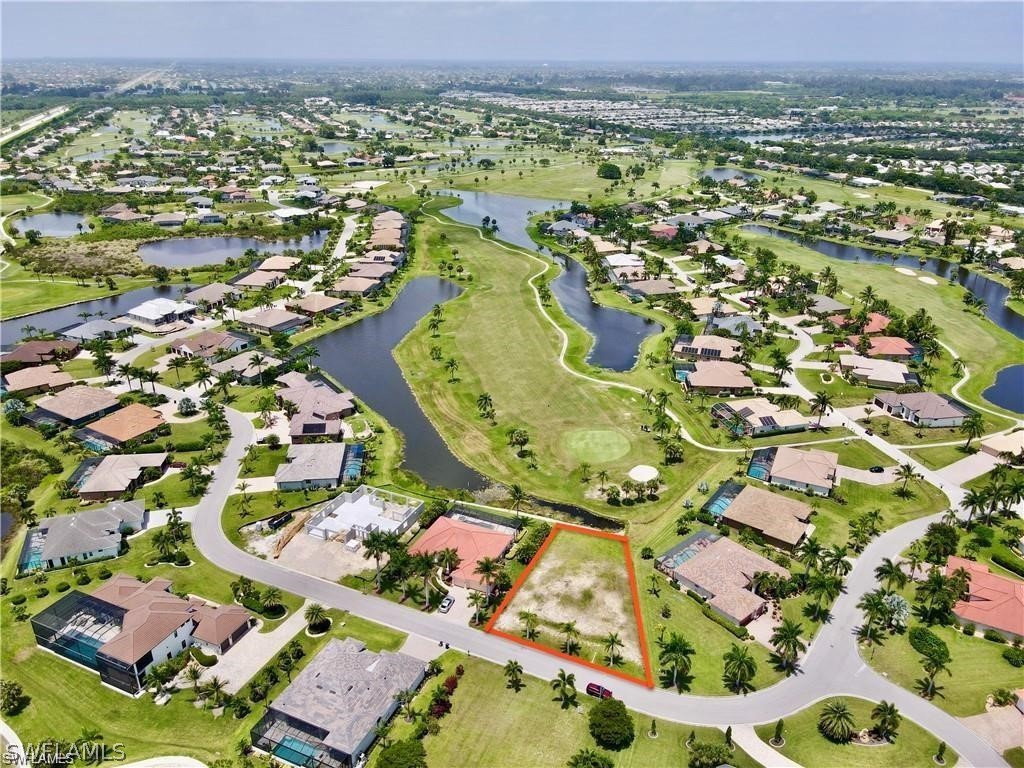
572,635
972,427
176,364
612,642
487,568
449,560
906,473
870,634
740,668
516,495
514,674
787,643
836,721
821,404
809,553
677,654
214,690
564,686
258,361
376,544
479,601
530,622
315,615
891,574
833,560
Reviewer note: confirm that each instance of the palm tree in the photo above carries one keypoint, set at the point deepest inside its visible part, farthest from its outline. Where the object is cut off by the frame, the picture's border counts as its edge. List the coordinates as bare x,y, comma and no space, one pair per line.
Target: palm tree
602,478
891,574
870,634
150,376
887,720
973,427
564,685
452,366
516,495
572,635
315,615
125,371
214,690
787,643
530,622
270,598
484,403
677,654
612,642
258,361
514,673
176,364
824,588
906,473
449,560
833,560
821,404
487,568
740,668
479,601
809,553
194,674
836,721
376,544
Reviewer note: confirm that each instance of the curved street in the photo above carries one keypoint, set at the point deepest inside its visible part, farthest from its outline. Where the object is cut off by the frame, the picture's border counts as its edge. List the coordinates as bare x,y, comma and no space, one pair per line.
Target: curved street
832,666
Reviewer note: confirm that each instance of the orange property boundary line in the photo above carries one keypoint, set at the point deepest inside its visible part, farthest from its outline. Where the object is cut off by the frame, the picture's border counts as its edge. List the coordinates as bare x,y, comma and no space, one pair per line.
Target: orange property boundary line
648,679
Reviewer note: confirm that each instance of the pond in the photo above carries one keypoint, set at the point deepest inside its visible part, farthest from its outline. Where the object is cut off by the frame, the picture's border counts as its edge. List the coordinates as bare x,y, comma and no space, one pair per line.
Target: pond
337,147
65,317
98,154
754,138
53,223
197,251
617,334
1008,390
724,174
359,356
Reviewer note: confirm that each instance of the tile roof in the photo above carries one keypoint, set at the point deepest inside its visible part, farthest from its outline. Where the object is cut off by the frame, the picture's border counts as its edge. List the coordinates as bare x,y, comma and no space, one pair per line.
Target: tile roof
774,515
993,600
114,474
805,465
473,542
927,405
314,461
128,423
40,351
47,376
78,402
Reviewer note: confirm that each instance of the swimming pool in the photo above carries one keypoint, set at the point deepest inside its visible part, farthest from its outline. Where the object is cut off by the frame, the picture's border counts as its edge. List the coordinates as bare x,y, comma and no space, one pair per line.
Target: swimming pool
761,463
687,549
758,472
295,750
681,374
722,498
95,444
32,554
353,463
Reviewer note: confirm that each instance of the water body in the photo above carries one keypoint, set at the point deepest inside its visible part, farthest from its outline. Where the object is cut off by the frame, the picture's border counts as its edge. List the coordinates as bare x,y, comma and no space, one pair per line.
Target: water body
337,147
724,174
98,154
359,356
1008,389
197,251
65,317
617,333
53,224
754,138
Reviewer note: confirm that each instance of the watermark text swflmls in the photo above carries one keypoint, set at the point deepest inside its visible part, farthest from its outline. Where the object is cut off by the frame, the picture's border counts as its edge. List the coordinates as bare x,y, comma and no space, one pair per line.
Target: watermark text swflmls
64,753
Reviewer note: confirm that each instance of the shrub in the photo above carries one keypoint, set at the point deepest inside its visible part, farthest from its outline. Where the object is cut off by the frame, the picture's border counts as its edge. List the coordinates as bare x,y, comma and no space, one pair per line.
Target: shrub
995,637
180,558
451,683
647,553
736,629
408,753
12,698
1003,697
82,579
1014,566
460,670
704,754
1015,656
611,725
18,599
202,658
63,587
609,171
241,708
590,758
42,592
927,643
969,629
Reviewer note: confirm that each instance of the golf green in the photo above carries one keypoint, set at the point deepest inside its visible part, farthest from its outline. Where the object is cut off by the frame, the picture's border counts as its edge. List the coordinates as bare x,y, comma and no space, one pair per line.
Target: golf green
597,445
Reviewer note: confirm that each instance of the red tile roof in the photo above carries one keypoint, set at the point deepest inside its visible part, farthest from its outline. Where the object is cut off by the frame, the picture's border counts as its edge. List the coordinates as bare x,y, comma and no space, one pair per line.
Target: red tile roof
473,543
994,601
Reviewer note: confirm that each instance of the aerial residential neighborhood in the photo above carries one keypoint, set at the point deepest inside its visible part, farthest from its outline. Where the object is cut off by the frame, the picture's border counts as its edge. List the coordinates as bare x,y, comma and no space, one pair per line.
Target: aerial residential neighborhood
544,385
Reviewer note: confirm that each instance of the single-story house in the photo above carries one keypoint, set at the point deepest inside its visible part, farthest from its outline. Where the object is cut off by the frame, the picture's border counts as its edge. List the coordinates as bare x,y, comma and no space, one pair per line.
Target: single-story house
119,474
993,602
244,369
887,347
156,312
209,344
876,322
706,348
757,416
643,288
259,279
212,295
100,328
355,286
36,379
170,219
720,571
375,271
1009,444
892,236
333,707
76,405
802,469
884,374
706,307
780,521
472,539
924,409
273,321
129,423
313,465
718,377
81,536
315,304
735,325
38,352
823,306
278,263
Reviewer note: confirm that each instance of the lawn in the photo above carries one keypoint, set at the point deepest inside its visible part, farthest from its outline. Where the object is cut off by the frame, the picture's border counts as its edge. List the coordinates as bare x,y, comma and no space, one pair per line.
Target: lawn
263,461
22,293
842,392
583,579
146,730
175,492
913,748
859,454
977,669
80,368
25,200
491,726
940,456
264,505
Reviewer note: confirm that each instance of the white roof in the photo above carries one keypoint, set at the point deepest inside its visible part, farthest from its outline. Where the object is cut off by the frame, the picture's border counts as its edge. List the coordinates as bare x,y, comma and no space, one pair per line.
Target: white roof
155,309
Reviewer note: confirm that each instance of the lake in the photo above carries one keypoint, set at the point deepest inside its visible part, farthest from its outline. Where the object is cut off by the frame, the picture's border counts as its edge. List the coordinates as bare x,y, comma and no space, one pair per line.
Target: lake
65,317
197,251
359,356
335,147
53,224
98,154
724,174
1008,389
617,334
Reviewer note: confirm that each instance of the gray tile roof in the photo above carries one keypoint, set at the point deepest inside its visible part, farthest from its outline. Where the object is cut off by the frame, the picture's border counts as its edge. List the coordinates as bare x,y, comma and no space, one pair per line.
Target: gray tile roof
91,530
315,461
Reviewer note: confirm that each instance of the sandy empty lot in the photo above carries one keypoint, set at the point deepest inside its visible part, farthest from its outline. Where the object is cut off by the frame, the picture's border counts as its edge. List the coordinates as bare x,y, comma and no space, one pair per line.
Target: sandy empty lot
579,578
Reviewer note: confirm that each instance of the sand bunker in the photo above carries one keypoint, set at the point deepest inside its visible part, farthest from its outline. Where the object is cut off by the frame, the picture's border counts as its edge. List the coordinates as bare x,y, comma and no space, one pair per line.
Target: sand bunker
905,271
928,280
641,473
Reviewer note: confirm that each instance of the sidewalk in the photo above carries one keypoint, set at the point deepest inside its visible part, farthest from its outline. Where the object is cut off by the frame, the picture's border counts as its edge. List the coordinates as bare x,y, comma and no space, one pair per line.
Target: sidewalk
744,737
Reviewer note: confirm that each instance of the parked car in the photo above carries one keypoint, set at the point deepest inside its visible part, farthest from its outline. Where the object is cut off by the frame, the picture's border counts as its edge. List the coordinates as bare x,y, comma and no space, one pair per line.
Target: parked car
877,469
868,432
598,691
446,604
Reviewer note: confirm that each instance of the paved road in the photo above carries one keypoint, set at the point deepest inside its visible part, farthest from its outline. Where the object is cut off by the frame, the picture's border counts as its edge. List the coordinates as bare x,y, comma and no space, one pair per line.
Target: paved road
832,666
33,122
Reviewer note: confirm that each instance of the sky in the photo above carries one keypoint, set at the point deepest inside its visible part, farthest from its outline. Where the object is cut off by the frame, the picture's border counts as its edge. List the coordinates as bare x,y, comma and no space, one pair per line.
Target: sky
741,32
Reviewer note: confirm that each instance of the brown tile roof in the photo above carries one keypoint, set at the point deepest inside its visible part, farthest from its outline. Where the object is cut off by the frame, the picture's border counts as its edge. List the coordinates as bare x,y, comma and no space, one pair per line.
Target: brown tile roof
152,615
776,516
130,422
46,376
317,302
78,402
809,466
218,623
40,351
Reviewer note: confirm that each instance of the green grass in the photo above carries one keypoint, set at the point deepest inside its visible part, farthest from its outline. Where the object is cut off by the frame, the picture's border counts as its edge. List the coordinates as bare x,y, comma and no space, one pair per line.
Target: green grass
913,748
1015,757
263,505
977,669
491,726
175,490
24,200
146,730
22,293
842,392
860,454
940,456
263,461
80,368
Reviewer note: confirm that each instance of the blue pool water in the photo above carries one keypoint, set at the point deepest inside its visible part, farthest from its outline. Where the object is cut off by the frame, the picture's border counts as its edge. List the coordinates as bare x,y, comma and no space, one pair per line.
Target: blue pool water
94,444
294,750
758,472
353,463
718,506
681,375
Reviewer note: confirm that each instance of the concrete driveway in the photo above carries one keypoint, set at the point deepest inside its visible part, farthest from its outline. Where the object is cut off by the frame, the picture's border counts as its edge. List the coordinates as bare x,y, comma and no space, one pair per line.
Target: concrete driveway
1002,727
968,468
866,477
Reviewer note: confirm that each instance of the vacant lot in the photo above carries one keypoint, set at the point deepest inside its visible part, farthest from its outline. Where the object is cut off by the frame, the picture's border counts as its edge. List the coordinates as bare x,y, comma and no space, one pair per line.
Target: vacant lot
581,579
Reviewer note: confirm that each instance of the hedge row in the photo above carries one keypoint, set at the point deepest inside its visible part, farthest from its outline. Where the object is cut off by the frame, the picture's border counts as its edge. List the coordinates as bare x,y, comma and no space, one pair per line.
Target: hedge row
927,643
1014,566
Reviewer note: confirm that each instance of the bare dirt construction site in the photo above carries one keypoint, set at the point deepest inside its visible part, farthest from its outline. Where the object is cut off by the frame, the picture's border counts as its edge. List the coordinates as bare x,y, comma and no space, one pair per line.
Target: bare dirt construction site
582,579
